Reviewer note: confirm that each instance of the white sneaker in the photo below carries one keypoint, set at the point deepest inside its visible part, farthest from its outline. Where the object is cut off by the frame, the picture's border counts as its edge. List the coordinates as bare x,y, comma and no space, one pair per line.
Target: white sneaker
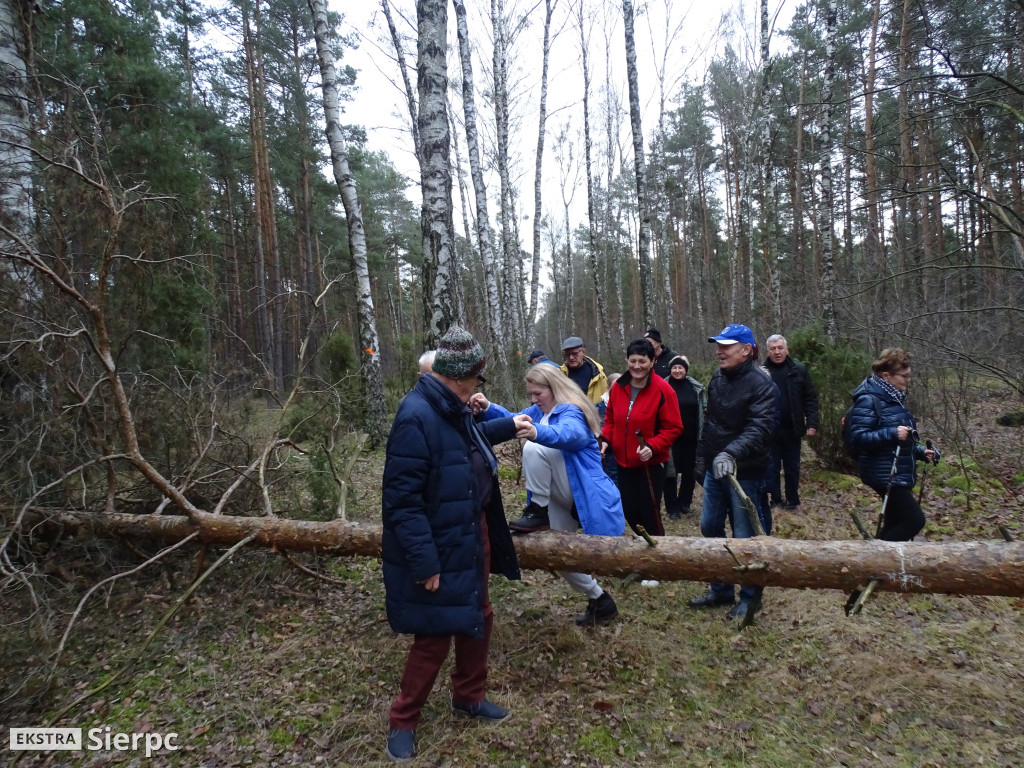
649,583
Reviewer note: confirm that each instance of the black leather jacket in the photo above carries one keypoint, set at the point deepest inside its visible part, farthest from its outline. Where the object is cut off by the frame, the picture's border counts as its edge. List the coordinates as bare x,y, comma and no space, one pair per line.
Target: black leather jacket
740,418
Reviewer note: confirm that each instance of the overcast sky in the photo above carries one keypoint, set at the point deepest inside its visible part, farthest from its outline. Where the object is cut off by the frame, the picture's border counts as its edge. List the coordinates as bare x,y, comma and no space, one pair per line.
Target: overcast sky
380,106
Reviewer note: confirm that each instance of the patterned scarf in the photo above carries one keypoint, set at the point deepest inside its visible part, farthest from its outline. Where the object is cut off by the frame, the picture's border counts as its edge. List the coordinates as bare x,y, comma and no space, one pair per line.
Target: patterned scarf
900,397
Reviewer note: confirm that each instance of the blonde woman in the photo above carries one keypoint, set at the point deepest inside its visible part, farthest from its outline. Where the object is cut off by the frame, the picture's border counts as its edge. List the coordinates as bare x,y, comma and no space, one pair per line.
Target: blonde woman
562,465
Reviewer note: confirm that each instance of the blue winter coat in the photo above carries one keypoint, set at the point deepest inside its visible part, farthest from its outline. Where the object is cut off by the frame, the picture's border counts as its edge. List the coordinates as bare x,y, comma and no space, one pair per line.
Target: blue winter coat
597,499
431,514
873,421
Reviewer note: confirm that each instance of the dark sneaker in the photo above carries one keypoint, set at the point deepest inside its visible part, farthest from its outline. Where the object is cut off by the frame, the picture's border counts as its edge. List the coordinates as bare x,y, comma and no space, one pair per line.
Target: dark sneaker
599,610
401,745
535,518
710,599
482,710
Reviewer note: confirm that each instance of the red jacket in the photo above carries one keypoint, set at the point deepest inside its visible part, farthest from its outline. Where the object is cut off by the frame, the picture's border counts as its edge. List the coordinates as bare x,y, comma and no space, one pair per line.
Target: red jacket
655,412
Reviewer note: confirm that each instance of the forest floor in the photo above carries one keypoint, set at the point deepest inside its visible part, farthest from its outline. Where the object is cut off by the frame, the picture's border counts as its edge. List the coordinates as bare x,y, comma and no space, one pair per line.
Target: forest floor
268,666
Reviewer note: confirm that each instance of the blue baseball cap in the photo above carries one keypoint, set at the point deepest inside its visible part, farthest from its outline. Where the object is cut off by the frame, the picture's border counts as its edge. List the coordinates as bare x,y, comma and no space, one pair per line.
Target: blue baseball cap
734,334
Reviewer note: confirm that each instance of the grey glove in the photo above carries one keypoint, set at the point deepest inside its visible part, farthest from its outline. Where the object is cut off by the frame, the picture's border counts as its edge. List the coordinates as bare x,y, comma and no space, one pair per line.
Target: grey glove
723,465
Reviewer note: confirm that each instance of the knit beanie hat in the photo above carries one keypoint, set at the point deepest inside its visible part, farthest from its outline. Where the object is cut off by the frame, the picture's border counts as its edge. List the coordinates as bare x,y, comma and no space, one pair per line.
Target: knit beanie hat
679,360
459,356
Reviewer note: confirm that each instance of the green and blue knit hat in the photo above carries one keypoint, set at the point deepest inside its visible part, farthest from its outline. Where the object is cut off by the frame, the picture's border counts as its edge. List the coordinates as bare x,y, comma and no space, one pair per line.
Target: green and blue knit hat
459,356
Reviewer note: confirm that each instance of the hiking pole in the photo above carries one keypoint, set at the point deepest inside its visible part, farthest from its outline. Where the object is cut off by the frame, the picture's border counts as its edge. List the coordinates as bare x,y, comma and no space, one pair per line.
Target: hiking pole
650,483
924,472
888,489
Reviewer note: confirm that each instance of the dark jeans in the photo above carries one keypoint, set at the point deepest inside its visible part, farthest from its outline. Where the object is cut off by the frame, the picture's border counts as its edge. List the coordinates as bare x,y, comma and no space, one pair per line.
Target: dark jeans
722,503
903,516
784,453
637,485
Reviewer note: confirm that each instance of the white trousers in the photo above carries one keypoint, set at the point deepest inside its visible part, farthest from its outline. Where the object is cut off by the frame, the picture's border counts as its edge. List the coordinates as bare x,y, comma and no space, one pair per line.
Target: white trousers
548,484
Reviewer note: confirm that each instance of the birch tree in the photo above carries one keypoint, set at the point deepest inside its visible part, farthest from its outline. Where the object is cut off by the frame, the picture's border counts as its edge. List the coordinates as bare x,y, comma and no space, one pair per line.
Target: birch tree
15,153
602,309
435,170
640,166
496,329
376,409
549,6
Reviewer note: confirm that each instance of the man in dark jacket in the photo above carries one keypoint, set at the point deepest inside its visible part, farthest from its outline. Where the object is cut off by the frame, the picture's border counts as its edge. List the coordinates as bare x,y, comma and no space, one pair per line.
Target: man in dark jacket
737,429
799,417
662,354
444,532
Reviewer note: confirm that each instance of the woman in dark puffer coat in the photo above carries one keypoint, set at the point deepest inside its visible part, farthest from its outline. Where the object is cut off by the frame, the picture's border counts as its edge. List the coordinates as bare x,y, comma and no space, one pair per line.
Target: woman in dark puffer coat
881,423
444,533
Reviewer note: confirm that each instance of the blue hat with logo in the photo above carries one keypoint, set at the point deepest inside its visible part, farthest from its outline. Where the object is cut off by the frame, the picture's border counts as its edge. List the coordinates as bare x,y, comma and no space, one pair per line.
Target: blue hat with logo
734,334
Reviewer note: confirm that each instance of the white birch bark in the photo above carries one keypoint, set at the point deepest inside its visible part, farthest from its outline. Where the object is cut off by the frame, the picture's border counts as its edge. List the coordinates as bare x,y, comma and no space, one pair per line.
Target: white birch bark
640,165
511,311
483,227
15,128
549,6
435,169
376,412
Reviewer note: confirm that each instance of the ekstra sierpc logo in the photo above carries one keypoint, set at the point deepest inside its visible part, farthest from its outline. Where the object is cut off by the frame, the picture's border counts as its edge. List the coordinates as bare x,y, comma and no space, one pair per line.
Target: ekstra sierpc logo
106,739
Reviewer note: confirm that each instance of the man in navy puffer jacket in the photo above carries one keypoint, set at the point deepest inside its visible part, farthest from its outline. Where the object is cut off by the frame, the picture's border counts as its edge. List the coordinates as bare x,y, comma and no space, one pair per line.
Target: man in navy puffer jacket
444,533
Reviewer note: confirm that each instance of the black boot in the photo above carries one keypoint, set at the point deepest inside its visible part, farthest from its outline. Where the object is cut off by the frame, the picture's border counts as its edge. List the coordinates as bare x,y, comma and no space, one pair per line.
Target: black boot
672,496
599,610
535,518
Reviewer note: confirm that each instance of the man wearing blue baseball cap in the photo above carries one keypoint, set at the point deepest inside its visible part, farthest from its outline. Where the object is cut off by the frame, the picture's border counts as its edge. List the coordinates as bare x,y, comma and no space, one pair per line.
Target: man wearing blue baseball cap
735,441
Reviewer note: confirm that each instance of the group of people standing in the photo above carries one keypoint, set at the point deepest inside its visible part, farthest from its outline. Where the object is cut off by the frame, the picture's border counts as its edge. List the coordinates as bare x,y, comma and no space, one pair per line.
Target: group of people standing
445,529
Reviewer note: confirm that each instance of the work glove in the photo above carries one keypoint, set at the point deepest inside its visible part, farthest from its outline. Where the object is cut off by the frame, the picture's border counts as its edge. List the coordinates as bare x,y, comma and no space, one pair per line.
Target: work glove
723,465
699,471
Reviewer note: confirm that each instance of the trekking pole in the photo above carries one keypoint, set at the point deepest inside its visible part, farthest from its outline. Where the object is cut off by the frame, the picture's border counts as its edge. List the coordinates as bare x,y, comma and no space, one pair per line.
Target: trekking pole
924,472
650,482
888,489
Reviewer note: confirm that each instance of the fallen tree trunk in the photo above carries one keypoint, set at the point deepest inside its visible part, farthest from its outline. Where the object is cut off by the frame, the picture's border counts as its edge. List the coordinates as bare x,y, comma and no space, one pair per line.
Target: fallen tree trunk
967,568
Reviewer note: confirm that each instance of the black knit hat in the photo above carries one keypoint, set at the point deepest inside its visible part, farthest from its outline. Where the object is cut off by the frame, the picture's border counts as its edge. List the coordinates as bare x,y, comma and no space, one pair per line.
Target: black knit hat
654,335
459,356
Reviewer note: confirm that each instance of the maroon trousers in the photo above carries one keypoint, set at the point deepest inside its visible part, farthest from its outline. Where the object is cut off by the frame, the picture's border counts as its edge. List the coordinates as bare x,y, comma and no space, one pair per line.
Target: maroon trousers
428,653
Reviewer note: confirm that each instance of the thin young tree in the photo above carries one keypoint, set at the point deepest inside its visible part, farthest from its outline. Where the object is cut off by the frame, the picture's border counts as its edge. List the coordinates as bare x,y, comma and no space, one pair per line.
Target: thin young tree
376,409
827,207
640,168
602,309
542,112
496,329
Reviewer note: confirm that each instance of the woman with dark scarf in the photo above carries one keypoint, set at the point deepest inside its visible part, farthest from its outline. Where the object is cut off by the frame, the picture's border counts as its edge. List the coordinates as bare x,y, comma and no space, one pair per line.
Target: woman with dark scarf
884,431
691,397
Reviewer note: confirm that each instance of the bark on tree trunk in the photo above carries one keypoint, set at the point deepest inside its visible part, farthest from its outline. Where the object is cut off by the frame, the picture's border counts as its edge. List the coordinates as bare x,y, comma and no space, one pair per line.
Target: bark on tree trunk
602,309
15,131
483,219
828,275
644,242
435,169
376,409
538,166
965,568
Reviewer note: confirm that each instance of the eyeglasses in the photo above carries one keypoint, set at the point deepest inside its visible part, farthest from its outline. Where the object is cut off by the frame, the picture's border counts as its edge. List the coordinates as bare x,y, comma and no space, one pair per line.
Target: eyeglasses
480,381
573,352
904,376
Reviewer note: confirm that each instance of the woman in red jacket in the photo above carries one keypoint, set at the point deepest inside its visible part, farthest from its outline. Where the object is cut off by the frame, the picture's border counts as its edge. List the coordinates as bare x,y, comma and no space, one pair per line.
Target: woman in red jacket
641,423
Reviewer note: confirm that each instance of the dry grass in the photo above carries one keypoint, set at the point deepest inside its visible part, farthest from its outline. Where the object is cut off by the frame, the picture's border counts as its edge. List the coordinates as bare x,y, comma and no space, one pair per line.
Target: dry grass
270,668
